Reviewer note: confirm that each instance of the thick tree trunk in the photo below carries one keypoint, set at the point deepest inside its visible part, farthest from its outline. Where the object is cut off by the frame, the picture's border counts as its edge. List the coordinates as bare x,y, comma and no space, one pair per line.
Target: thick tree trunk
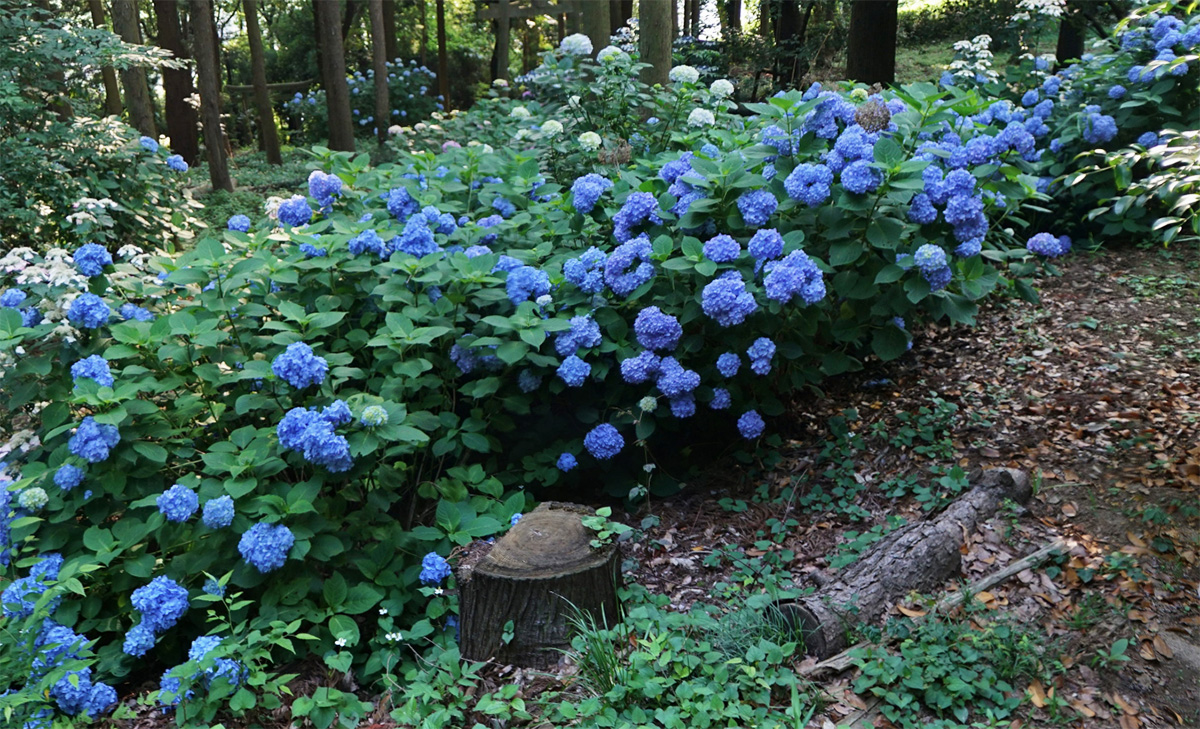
596,23
333,76
177,84
424,49
210,107
391,47
379,63
350,17
789,37
443,71
137,91
657,31
916,557
267,133
536,576
619,13
733,15
1072,31
502,28
694,28
531,41
871,46
112,92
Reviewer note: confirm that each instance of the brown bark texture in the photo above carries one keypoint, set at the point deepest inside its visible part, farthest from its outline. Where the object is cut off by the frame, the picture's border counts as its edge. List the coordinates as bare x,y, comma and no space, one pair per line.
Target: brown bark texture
112,91
268,135
596,23
871,44
210,91
916,557
390,45
536,576
333,74
656,34
137,91
379,64
177,84
1071,35
443,71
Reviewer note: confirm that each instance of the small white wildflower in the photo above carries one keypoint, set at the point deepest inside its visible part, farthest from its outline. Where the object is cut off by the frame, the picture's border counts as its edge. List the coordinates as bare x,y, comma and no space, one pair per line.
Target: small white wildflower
721,87
395,129
701,118
340,642
573,102
383,611
648,467
684,75
590,141
487,149
438,591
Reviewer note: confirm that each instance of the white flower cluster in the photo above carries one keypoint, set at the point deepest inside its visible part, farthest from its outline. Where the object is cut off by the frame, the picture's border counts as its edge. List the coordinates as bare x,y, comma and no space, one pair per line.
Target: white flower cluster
683,75
611,54
394,637
1048,8
721,87
973,59
552,128
590,141
519,112
701,118
91,210
57,268
576,44
21,441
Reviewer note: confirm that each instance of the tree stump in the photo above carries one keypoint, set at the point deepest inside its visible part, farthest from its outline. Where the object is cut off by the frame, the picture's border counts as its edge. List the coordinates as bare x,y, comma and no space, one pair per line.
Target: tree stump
917,557
532,577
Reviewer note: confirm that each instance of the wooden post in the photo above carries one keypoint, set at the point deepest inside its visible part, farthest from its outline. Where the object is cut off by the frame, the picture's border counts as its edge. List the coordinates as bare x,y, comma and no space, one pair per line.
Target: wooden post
112,92
443,59
137,91
210,110
379,64
333,73
657,32
268,134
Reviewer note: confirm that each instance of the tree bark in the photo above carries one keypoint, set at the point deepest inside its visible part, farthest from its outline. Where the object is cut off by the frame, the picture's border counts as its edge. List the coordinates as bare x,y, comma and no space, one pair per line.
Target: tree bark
268,135
137,91
210,108
177,84
766,9
1072,32
596,23
694,28
350,17
733,15
424,49
443,55
788,38
391,48
112,92
379,63
916,557
871,46
657,31
619,13
536,576
333,75
502,27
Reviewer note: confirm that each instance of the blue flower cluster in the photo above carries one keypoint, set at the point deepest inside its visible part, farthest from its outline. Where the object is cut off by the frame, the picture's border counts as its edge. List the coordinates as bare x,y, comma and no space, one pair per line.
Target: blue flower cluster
93,441
74,693
239,223
91,258
761,353
171,686
722,249
584,332
656,330
12,298
218,512
161,604
574,371
265,546
586,191
299,367
178,503
794,275
20,598
587,271
93,367
1098,128
311,434
629,266
68,476
751,425
1045,244
566,462
434,569
809,184
133,312
603,442
525,283
765,245
88,311
176,163
639,208
934,265
727,301
294,211
324,188
757,207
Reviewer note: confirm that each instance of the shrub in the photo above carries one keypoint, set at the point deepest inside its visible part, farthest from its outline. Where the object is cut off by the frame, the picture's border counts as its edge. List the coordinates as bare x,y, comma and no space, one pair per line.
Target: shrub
410,90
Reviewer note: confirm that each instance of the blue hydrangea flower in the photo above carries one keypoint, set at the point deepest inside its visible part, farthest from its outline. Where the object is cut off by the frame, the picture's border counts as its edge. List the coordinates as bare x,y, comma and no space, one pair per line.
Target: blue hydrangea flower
656,330
641,368
213,587
178,503
1148,139
265,546
766,245
722,249
1099,128
416,239
337,413
760,354
603,442
727,301
721,399
311,434
464,358
133,312
969,248
629,265
528,381
68,476
401,204
512,522
929,258
476,251
504,206
638,208
683,406
795,275
91,258
566,462
218,512
149,144
162,603
95,368
240,223
939,278
434,569
1045,244
294,211
525,283
751,425
586,191
587,271
92,441
809,184
728,364
88,311
12,298
176,163
757,207
1116,91
324,188
368,241
674,380
574,371
921,210
311,251
299,367
1030,98
584,332
138,641
860,177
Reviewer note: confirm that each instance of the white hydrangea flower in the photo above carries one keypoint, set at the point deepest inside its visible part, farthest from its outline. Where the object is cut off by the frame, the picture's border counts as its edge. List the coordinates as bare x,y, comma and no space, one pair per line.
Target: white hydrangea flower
701,118
648,404
522,134
576,44
395,129
684,75
33,498
519,112
552,128
487,149
1049,8
590,141
573,102
500,83
611,53
721,87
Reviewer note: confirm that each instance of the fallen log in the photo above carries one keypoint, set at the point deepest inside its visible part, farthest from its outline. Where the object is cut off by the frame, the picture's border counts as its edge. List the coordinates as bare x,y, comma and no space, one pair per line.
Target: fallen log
917,557
534,579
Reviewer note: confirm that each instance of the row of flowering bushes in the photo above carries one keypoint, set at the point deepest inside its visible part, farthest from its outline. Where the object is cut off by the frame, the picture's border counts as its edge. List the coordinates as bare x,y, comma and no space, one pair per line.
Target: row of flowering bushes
274,440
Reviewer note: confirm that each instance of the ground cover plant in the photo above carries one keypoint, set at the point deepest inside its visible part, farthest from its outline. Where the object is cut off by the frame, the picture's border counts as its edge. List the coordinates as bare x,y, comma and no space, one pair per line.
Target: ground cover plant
269,444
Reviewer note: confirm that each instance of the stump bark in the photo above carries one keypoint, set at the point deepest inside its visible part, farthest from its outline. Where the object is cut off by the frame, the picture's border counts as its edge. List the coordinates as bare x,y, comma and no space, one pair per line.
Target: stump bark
917,557
533,576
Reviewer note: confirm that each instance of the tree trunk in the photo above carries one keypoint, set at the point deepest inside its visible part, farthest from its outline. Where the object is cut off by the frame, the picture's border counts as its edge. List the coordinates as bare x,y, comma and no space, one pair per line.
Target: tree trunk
177,84
210,108
268,135
765,25
871,46
595,23
502,27
137,91
916,557
619,13
536,577
687,17
391,48
788,38
531,41
443,56
112,92
657,31
424,50
333,75
379,63
694,28
1072,32
349,18
733,15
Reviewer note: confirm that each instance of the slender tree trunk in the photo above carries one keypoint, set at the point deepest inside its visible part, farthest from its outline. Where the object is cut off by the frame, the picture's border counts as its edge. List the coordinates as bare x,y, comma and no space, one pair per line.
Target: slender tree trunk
391,48
210,109
379,63
333,75
503,31
674,17
424,49
1071,34
766,14
268,135
687,17
619,13
871,46
351,16
112,92
733,15
595,23
657,32
443,71
177,84
694,28
137,91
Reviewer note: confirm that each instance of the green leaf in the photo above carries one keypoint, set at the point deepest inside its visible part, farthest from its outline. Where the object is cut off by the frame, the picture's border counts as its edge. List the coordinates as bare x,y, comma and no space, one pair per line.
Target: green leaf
334,590
888,152
343,626
362,598
845,252
889,342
